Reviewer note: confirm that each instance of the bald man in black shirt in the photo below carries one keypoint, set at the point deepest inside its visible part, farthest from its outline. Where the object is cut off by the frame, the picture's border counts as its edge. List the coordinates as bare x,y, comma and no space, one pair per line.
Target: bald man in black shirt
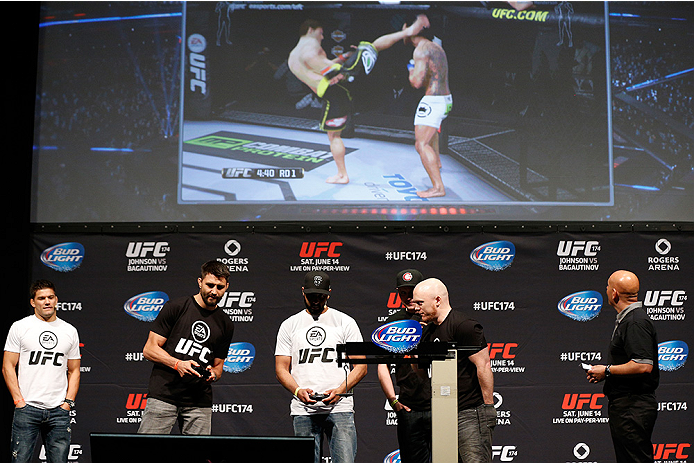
476,412
632,374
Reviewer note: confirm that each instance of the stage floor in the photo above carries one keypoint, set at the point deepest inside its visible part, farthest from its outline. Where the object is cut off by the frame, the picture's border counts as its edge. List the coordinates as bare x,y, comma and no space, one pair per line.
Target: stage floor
379,171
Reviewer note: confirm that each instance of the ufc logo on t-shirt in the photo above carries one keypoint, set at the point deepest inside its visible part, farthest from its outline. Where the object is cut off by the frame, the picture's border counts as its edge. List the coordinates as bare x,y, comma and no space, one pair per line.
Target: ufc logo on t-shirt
192,348
39,357
316,353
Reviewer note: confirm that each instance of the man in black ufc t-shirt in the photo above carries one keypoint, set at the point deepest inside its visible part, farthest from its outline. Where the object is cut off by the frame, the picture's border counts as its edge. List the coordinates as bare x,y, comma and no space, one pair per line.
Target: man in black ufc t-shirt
188,344
476,413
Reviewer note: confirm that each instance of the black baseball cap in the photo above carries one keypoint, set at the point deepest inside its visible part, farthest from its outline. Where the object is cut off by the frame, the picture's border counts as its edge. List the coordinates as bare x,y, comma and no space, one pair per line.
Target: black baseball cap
316,282
409,277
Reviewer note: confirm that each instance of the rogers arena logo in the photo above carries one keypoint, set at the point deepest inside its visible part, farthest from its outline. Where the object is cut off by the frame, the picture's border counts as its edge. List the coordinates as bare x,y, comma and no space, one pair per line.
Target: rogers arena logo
400,336
503,417
494,256
146,306
64,257
581,451
663,262
232,248
393,457
672,355
240,357
581,306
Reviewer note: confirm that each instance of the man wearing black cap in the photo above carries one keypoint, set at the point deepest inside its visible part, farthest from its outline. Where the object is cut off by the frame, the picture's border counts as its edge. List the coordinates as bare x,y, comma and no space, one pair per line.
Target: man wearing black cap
306,365
413,405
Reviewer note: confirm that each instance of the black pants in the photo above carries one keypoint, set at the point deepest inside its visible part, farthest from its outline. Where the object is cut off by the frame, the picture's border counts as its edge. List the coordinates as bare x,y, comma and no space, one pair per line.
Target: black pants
414,436
632,418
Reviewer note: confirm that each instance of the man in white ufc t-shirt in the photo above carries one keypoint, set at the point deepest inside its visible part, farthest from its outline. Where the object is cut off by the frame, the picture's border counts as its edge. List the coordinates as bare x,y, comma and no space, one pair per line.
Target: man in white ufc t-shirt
306,365
46,350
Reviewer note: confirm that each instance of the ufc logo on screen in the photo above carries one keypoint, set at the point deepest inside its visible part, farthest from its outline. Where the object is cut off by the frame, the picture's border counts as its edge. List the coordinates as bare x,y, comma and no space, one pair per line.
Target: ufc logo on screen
579,401
197,67
316,249
502,348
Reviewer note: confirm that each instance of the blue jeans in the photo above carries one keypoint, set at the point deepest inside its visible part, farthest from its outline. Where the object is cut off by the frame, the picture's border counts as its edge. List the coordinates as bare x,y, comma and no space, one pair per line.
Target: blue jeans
54,426
475,429
414,436
159,417
338,428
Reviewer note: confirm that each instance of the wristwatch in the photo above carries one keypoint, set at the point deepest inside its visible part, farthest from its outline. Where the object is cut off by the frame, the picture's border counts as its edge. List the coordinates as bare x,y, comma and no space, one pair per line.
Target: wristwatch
71,403
607,371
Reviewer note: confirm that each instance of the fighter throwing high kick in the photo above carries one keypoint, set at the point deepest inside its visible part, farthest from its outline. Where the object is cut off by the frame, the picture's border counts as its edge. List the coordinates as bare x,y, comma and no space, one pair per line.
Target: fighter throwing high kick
328,78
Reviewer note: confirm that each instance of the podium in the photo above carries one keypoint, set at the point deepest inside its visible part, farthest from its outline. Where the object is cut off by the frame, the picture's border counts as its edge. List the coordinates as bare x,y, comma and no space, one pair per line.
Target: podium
443,358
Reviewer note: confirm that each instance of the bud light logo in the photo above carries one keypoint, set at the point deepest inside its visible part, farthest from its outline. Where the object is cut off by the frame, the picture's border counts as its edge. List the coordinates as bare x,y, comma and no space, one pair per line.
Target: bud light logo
64,257
398,337
581,306
393,457
240,357
672,355
494,256
146,306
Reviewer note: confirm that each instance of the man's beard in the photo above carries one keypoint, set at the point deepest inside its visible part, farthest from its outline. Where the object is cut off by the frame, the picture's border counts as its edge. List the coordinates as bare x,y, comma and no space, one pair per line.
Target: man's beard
316,308
210,301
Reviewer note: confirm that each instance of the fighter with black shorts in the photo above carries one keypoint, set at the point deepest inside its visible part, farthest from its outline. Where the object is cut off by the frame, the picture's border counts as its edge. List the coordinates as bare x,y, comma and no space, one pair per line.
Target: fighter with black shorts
337,100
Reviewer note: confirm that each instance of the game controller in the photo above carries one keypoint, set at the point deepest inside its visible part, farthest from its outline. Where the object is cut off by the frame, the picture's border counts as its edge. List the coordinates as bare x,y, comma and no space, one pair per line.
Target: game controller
318,396
205,373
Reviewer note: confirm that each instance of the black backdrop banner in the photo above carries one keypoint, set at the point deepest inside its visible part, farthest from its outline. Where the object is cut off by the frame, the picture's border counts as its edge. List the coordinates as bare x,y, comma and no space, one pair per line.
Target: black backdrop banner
539,297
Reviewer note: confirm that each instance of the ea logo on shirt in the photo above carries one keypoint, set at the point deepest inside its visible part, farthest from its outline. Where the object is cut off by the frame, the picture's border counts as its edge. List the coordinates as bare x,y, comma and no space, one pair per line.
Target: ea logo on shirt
200,331
315,336
48,340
